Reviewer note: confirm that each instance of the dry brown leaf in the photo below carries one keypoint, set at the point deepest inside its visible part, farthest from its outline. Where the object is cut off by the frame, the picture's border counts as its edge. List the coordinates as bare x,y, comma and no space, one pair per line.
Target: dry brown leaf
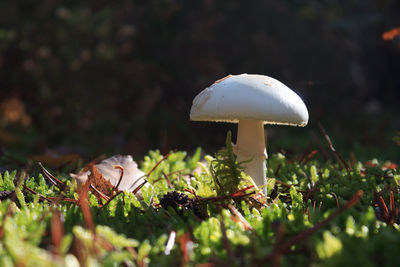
109,171
97,180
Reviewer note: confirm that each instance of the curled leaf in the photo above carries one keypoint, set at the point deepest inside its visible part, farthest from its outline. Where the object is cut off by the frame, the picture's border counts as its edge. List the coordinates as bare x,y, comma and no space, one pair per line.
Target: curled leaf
106,173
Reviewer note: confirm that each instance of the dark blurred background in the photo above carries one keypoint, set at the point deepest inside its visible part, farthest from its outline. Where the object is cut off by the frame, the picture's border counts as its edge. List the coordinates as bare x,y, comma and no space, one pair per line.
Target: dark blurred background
92,77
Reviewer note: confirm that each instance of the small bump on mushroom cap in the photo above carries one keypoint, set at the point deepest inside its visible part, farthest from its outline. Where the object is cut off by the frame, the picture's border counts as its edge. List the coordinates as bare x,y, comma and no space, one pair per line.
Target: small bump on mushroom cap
249,97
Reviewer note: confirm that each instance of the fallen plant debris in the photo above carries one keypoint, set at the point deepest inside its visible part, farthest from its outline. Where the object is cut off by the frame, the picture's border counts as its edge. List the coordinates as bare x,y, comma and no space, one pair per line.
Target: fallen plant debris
57,231
119,171
193,211
389,215
338,157
99,185
179,201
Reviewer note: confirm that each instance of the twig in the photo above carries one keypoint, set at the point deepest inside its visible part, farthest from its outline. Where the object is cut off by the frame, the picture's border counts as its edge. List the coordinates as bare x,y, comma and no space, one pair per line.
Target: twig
152,169
117,194
258,202
311,190
309,157
384,208
237,193
52,178
139,187
277,169
391,201
336,199
34,193
134,254
323,150
240,217
57,230
337,155
170,185
99,192
158,163
303,156
120,177
387,215
83,202
63,198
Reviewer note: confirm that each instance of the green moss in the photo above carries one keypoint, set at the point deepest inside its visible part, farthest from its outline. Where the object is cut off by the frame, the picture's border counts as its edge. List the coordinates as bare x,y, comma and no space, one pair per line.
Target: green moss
132,231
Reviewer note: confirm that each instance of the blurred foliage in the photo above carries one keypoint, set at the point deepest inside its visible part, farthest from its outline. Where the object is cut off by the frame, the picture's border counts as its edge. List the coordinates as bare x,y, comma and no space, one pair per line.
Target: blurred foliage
123,73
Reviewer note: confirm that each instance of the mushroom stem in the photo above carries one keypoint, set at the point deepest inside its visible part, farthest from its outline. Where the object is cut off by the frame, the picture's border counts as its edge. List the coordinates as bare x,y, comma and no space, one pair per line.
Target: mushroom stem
250,146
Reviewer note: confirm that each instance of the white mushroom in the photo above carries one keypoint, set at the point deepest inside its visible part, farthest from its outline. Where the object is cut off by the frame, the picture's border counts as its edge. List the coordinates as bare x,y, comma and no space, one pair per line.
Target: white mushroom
251,101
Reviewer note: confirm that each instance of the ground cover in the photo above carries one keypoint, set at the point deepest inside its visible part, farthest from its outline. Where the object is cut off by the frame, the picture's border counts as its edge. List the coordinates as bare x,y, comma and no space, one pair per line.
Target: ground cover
203,210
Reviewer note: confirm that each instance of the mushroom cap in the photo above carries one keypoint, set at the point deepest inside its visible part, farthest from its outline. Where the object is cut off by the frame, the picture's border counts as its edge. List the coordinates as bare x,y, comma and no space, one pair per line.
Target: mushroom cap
249,97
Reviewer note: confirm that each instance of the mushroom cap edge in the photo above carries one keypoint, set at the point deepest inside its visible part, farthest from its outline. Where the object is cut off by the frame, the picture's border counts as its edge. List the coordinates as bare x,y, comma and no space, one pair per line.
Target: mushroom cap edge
249,97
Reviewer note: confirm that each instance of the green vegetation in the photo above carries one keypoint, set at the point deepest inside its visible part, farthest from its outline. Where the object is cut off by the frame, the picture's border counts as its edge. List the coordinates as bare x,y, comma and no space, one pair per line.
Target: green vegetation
82,78
315,214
